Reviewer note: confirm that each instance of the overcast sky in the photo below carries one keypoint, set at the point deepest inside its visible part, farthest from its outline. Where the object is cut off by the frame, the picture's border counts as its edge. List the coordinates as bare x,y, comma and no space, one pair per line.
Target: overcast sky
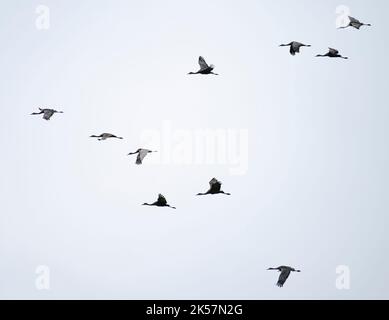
311,190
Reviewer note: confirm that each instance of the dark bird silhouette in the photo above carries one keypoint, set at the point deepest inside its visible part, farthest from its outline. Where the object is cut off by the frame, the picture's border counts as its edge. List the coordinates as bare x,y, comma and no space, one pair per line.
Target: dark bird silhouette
204,68
285,272
215,188
47,113
105,136
161,202
142,153
294,47
332,53
355,23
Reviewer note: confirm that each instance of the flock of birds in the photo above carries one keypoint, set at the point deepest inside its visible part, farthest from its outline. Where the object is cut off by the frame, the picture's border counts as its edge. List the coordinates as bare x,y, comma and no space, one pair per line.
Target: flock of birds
215,185
332,53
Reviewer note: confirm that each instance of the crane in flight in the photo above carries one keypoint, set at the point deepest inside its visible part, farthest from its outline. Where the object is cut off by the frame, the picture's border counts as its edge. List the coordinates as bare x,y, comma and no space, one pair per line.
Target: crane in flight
142,153
295,47
105,136
204,68
47,113
284,275
161,202
214,188
355,23
332,53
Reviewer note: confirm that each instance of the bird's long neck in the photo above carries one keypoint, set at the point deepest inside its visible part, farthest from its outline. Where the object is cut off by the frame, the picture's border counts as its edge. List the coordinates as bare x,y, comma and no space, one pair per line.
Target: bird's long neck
202,194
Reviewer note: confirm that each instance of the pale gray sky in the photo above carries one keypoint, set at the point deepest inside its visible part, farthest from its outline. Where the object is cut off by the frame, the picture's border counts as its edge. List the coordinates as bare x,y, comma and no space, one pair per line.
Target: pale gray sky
314,196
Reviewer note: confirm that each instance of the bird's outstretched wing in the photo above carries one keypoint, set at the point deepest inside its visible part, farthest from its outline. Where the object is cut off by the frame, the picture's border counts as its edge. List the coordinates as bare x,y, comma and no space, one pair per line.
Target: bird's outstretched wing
353,20
47,114
162,200
141,155
139,159
333,51
283,277
215,185
202,63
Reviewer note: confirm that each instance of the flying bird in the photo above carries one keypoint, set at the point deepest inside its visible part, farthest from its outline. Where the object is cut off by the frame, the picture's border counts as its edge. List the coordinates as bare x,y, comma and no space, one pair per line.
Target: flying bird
285,272
204,68
214,188
161,202
105,136
142,153
47,113
332,53
355,23
294,47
